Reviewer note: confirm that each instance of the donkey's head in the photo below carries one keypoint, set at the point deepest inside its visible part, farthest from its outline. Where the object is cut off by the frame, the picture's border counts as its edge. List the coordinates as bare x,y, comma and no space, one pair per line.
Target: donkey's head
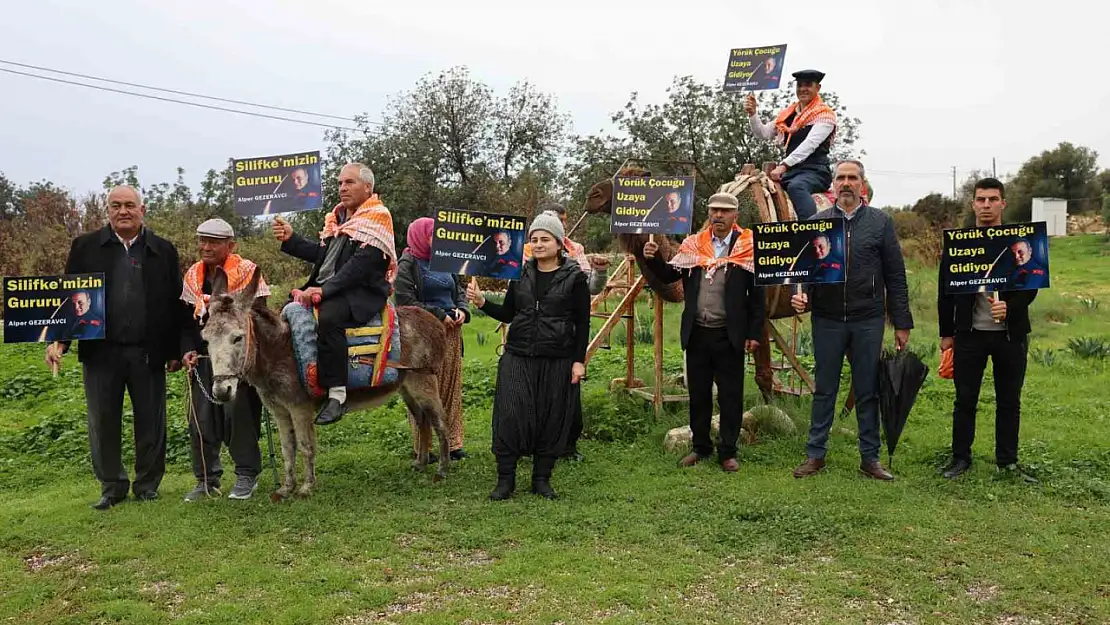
229,332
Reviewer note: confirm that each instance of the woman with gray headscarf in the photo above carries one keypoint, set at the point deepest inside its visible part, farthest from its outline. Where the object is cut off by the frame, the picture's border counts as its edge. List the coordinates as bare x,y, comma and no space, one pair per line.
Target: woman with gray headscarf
537,400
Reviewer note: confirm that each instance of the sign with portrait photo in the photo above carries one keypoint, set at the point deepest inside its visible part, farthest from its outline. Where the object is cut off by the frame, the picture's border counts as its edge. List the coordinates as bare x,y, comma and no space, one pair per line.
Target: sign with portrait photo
1010,257
799,252
754,69
268,185
54,308
652,205
478,244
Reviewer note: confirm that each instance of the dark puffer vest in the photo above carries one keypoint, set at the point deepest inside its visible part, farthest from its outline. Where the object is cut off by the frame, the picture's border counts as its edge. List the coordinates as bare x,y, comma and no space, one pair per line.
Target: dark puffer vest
544,327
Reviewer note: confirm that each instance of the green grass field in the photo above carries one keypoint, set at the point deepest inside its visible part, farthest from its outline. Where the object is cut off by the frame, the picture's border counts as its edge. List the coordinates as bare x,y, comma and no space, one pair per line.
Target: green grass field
633,539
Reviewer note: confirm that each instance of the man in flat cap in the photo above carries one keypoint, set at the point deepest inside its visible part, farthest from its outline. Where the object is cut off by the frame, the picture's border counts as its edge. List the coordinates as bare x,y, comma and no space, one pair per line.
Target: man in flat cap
722,318
806,129
238,423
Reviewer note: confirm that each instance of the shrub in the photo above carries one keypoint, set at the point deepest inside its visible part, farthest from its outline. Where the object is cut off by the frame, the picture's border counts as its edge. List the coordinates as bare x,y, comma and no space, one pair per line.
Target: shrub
1044,357
1090,347
909,225
614,416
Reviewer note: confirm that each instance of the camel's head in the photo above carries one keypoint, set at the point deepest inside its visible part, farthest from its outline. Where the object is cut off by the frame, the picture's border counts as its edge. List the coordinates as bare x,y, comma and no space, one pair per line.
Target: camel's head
230,335
600,197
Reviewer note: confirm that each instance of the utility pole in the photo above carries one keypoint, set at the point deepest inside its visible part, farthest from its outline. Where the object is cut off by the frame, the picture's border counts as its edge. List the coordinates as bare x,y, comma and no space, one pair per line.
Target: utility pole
994,168
953,182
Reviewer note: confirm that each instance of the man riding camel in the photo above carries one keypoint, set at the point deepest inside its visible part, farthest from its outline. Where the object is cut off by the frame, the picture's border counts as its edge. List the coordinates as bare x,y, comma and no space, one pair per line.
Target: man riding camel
352,274
806,129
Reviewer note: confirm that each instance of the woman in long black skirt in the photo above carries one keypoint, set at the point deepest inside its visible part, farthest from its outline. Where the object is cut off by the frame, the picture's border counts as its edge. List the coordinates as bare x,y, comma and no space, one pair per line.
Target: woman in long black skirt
537,398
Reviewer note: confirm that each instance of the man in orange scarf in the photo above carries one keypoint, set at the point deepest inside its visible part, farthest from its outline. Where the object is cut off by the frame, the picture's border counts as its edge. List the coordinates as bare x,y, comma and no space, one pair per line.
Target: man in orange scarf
722,319
236,424
352,274
806,129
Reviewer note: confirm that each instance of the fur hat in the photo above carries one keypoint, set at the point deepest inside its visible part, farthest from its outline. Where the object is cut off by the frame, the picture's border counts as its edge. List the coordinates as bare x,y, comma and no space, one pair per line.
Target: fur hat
548,221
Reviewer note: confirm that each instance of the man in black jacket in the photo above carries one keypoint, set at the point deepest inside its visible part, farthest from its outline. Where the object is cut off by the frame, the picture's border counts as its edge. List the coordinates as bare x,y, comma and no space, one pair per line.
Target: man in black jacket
144,339
849,318
722,318
348,279
976,327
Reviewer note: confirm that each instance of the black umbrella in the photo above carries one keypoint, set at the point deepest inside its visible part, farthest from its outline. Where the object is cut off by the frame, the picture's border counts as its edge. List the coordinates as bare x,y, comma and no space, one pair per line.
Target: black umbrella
901,375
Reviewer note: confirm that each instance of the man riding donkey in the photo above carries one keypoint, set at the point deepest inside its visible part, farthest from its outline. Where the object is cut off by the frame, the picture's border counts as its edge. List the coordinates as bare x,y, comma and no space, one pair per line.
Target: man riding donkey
354,264
237,423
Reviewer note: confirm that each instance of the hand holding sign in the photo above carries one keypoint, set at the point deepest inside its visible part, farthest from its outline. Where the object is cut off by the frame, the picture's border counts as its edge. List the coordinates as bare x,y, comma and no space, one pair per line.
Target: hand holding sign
54,353
650,248
799,301
998,309
750,105
474,294
282,230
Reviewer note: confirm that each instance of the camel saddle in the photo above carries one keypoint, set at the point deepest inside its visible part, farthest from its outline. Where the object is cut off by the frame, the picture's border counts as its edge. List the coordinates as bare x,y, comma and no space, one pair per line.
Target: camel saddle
371,349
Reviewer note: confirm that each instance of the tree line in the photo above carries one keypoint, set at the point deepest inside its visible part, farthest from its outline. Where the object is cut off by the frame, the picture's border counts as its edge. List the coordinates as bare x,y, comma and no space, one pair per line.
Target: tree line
452,141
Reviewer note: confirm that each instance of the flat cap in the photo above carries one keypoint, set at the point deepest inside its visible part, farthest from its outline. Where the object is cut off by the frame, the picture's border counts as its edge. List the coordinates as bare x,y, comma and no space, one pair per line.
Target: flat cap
726,201
216,229
810,75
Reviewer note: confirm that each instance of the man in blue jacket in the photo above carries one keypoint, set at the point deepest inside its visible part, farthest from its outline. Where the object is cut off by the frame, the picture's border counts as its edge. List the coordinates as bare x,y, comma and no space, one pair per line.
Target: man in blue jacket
848,318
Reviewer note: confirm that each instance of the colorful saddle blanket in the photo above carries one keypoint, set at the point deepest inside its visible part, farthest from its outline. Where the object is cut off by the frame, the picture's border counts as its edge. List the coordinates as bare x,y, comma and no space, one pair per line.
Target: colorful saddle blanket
369,348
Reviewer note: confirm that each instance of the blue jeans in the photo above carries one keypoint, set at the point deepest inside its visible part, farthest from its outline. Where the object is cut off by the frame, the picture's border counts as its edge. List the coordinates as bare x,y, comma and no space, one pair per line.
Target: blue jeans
863,341
801,183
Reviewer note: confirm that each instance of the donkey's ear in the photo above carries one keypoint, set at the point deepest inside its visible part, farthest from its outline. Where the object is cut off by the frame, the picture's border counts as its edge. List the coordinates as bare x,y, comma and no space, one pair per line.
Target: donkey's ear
219,282
246,297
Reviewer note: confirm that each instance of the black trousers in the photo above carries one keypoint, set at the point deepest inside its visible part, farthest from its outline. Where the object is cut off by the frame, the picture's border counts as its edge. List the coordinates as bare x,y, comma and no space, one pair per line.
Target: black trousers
969,360
331,341
710,357
105,379
237,424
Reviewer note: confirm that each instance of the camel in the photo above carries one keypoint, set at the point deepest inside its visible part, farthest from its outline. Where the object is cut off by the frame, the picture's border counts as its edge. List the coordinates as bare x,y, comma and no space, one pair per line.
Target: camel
249,342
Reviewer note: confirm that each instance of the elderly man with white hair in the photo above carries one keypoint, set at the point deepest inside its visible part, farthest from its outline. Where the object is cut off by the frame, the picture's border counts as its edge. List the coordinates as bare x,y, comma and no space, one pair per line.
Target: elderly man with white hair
353,266
145,325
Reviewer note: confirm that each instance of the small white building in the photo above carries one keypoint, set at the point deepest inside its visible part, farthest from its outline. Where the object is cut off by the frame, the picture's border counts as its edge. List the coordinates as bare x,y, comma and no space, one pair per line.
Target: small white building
1054,212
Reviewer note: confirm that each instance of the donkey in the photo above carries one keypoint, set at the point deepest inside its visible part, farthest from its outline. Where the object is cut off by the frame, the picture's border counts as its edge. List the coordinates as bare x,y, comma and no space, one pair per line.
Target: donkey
247,341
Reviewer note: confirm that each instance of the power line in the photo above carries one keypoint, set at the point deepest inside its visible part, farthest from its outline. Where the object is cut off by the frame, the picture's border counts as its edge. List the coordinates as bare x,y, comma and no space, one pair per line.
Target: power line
179,92
176,101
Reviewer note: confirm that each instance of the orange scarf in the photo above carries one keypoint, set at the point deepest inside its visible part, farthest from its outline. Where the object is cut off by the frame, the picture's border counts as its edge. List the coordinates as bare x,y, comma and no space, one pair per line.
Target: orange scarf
697,251
372,224
239,273
817,111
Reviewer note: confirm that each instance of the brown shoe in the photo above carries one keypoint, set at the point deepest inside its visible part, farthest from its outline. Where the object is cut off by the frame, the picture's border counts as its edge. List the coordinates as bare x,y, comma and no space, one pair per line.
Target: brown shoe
874,469
812,466
730,465
690,460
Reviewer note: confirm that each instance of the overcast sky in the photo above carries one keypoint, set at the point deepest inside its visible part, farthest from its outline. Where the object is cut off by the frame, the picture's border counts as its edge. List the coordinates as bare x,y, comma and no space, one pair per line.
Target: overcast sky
936,84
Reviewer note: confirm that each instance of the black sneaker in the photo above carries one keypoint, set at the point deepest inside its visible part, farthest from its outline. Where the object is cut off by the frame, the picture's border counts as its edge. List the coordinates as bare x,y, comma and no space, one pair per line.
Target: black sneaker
331,412
459,454
147,495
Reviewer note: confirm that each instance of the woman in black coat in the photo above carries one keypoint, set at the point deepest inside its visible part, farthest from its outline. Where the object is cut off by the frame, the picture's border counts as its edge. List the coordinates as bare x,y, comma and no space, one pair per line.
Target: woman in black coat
537,399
